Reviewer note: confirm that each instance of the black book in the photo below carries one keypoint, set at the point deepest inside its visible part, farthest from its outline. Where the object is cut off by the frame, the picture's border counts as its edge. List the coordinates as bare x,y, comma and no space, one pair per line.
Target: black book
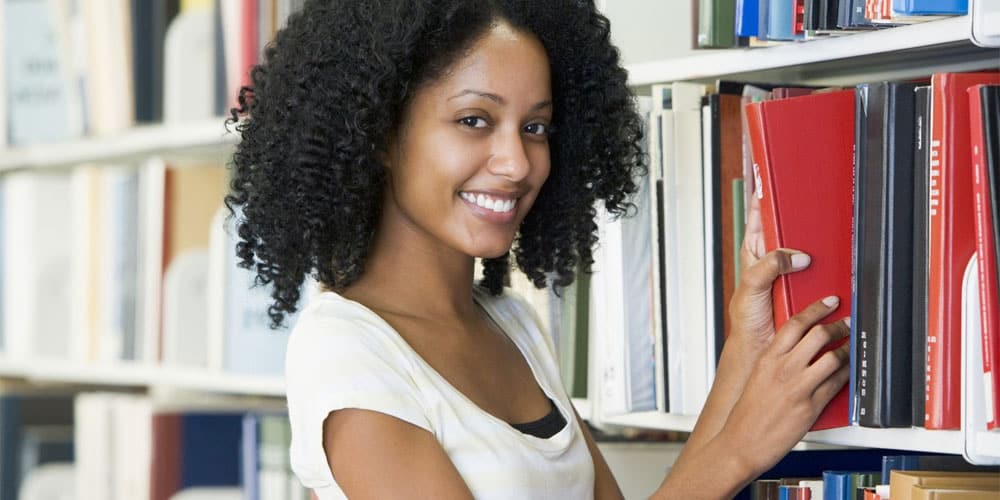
921,242
810,17
714,162
990,96
827,17
885,238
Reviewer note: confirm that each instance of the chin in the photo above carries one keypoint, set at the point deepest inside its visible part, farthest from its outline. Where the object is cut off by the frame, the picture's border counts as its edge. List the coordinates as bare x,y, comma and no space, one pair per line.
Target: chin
492,252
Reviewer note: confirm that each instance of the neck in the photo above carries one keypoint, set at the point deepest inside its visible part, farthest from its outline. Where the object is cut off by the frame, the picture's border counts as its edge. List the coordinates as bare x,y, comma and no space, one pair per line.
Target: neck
409,272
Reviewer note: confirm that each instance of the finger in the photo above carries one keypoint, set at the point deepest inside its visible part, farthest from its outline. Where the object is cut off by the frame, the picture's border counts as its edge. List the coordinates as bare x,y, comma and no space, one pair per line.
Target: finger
752,248
831,386
795,328
759,277
829,363
818,338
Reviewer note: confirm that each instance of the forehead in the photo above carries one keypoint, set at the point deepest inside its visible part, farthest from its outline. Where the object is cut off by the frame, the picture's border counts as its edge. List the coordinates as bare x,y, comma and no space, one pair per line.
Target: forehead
504,58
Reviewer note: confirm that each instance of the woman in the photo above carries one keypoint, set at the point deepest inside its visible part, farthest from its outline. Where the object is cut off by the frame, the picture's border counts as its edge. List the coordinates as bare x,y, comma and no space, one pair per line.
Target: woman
389,143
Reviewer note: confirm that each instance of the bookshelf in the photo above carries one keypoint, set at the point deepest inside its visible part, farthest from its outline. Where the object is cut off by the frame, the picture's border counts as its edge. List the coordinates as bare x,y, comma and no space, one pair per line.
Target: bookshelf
905,52
897,53
175,141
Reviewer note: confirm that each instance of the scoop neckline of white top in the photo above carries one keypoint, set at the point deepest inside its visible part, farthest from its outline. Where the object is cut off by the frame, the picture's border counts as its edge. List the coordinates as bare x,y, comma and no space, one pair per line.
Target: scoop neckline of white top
558,442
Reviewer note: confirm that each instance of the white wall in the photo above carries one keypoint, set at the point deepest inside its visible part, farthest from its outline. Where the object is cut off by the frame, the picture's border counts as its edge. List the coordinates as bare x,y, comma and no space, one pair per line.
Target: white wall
647,30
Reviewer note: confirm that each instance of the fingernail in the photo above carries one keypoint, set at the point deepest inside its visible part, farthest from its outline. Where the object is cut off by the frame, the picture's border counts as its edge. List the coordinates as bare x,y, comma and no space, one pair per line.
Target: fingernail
847,321
831,301
800,260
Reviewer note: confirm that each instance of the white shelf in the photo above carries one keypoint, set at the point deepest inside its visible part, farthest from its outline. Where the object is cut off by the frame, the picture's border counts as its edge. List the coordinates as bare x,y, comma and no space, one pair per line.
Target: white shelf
142,376
915,439
654,420
905,50
899,439
200,139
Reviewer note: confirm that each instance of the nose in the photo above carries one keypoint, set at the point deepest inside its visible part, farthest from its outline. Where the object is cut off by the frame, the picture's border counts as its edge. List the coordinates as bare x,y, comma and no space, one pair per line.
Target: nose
509,158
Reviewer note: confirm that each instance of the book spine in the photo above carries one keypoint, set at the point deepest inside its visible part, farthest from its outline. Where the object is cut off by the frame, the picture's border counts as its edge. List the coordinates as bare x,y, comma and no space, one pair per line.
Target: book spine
898,322
921,212
985,249
939,268
765,192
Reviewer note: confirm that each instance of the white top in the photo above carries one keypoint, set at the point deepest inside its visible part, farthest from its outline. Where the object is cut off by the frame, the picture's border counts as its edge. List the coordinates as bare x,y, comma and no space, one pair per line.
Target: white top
343,355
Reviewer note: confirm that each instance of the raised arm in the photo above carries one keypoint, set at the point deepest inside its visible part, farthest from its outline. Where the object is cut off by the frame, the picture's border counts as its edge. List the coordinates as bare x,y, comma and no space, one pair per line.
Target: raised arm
766,392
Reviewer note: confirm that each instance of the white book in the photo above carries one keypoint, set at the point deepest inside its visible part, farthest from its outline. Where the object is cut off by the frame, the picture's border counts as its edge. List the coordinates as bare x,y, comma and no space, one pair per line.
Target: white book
110,103
660,94
189,67
89,238
185,310
976,396
152,188
50,481
674,355
713,276
686,99
37,319
610,325
3,83
119,282
216,317
93,444
132,445
41,99
637,303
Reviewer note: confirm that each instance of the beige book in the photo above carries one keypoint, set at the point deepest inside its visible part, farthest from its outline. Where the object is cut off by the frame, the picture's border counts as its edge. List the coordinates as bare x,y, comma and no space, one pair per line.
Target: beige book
902,482
921,493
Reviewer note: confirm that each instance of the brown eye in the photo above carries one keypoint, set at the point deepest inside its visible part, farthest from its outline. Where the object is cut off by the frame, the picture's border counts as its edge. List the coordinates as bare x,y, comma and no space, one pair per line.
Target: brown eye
537,129
473,122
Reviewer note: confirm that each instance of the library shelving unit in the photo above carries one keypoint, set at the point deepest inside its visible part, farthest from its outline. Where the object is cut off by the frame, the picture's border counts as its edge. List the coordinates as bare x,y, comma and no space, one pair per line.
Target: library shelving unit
905,52
191,142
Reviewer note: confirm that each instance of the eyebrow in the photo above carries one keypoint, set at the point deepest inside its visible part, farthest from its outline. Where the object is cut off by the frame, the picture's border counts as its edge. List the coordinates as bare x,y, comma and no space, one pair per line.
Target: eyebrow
497,99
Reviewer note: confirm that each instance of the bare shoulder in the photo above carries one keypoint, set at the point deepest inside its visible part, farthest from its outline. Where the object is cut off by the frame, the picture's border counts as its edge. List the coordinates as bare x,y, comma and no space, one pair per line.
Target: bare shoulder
365,447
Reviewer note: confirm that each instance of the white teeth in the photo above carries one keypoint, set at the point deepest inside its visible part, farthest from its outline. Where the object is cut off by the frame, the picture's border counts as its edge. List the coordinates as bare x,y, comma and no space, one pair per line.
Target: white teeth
496,205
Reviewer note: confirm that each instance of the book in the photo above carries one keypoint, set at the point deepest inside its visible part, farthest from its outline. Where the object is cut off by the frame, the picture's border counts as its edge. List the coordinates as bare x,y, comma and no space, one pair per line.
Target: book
884,221
194,449
799,187
901,483
921,493
746,21
952,240
984,104
921,245
930,7
943,463
25,419
730,130
715,23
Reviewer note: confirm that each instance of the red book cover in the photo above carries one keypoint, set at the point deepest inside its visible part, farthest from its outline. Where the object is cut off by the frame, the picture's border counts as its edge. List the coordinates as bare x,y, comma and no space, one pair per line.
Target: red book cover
803,153
165,473
799,17
986,250
952,241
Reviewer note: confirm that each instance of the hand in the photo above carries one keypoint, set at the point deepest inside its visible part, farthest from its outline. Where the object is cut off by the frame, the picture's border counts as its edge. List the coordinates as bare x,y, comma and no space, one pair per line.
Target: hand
787,390
751,309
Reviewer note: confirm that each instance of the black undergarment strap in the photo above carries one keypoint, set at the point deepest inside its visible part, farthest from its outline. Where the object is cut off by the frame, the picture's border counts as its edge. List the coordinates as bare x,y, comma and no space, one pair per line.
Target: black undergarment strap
545,427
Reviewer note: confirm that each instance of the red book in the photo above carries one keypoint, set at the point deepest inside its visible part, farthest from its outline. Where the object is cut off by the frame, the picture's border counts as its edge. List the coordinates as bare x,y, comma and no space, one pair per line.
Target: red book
165,472
952,241
989,295
803,153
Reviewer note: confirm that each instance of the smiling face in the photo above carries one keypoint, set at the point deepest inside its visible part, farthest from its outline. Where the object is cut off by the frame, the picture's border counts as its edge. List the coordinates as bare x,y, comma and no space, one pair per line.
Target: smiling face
472,151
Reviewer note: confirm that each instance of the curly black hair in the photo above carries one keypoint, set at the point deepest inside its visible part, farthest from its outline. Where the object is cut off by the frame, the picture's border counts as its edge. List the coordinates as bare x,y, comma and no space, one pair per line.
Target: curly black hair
331,90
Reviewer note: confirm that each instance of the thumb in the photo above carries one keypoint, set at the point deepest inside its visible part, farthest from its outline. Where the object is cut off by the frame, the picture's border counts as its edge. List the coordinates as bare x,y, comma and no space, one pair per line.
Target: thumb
758,278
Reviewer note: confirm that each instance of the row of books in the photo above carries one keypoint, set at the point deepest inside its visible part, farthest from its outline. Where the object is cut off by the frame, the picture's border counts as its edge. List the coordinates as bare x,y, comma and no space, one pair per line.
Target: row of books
863,474
126,446
876,183
729,23
97,67
108,264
